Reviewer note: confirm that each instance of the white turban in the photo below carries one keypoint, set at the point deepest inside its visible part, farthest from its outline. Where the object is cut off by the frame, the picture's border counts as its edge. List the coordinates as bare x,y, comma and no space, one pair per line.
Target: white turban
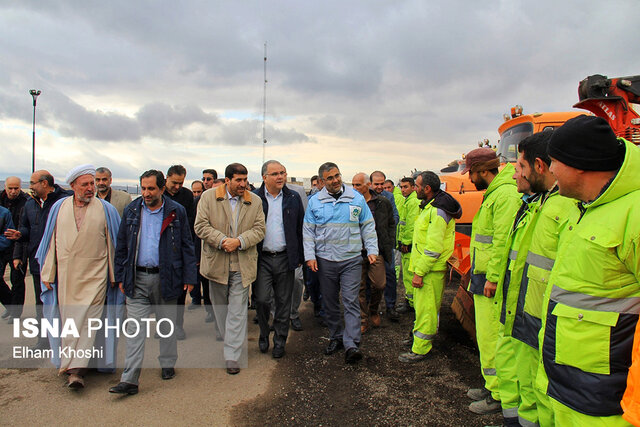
79,171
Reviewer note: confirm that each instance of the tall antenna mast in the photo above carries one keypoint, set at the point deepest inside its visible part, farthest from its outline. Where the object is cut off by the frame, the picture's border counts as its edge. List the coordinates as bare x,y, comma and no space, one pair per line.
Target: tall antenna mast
264,106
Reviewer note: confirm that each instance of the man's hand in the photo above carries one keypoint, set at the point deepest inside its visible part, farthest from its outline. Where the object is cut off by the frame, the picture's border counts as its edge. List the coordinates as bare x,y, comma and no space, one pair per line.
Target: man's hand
313,265
416,282
121,286
490,289
372,258
188,288
47,284
17,263
12,234
230,244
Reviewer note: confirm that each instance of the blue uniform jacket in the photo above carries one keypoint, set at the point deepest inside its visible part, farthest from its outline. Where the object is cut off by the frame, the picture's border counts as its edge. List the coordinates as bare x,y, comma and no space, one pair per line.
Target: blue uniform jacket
335,230
176,253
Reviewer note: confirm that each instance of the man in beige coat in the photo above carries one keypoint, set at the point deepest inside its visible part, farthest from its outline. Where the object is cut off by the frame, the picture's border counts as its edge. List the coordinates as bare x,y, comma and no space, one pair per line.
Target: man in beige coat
119,199
230,223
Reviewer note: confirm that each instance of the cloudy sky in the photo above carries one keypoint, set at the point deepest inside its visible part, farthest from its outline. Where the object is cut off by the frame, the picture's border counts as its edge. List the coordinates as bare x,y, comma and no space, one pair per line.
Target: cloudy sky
135,85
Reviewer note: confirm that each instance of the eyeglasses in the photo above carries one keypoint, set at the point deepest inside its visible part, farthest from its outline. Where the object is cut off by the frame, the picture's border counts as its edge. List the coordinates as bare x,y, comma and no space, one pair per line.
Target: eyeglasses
35,182
333,178
275,174
207,178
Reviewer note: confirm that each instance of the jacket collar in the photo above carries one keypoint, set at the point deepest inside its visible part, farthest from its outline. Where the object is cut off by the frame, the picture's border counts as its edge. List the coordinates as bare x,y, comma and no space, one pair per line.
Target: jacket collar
505,176
347,195
221,194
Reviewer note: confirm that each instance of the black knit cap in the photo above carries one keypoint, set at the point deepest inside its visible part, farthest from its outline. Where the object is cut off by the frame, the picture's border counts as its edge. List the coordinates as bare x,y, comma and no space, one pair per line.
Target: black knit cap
587,143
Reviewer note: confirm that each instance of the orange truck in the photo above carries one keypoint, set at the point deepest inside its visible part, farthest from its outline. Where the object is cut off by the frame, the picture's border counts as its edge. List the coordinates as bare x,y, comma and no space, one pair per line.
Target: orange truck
616,100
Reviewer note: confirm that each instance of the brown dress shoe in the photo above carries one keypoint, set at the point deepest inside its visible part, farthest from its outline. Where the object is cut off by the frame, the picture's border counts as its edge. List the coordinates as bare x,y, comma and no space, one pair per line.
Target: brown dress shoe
374,318
232,367
364,327
75,382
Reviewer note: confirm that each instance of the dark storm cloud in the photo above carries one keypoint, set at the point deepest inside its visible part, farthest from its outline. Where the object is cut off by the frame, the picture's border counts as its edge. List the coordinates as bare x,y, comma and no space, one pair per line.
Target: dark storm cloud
407,71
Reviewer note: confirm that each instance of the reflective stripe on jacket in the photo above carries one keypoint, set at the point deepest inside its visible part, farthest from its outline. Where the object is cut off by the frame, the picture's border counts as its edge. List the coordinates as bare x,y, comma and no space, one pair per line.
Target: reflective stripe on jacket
539,254
335,230
408,214
490,228
433,239
594,299
511,264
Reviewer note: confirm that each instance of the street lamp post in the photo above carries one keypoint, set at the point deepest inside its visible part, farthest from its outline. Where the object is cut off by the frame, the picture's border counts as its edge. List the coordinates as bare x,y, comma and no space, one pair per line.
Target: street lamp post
34,94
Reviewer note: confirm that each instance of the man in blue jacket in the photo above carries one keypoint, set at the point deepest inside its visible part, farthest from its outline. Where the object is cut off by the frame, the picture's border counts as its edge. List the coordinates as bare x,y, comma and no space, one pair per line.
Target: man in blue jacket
336,224
279,254
154,264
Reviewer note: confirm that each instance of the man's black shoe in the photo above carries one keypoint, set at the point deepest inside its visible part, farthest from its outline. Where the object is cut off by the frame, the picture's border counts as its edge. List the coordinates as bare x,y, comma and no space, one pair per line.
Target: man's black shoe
392,314
353,355
255,319
208,318
263,344
168,373
194,305
403,308
124,388
305,294
334,346
6,314
278,351
296,324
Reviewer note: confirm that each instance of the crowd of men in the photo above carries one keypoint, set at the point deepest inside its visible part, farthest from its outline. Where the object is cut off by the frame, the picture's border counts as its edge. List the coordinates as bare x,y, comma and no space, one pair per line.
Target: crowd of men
555,265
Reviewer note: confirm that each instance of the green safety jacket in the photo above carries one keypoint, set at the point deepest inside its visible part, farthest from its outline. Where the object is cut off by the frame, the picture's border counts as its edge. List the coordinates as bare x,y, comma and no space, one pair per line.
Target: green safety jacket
511,262
434,235
409,211
591,309
490,229
535,261
398,198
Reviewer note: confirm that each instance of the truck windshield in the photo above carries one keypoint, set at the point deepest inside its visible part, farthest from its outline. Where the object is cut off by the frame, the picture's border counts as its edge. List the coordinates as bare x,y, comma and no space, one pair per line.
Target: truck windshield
508,147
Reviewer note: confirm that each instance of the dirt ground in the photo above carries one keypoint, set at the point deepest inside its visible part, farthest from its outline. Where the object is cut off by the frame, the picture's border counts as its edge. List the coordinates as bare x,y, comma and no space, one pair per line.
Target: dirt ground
304,388
309,388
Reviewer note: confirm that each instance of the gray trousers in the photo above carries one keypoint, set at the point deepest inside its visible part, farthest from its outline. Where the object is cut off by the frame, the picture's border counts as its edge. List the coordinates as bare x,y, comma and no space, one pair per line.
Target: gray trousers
146,298
296,293
274,278
341,277
230,310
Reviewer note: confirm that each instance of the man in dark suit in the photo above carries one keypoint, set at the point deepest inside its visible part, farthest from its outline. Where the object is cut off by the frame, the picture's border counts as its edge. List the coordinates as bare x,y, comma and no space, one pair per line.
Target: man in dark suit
278,255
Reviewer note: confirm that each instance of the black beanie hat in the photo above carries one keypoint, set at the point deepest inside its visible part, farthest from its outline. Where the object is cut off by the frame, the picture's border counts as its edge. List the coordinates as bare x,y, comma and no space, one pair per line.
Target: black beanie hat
587,143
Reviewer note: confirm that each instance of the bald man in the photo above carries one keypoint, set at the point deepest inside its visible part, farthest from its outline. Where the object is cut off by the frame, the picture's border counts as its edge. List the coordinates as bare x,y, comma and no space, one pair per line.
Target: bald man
12,198
30,229
373,275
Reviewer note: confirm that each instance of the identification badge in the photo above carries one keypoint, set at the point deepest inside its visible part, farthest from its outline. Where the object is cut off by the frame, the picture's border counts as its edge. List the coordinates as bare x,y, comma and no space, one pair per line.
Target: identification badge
354,213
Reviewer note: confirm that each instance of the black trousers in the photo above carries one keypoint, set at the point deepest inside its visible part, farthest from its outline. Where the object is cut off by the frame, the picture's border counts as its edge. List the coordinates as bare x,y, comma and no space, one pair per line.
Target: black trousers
274,278
201,292
12,297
